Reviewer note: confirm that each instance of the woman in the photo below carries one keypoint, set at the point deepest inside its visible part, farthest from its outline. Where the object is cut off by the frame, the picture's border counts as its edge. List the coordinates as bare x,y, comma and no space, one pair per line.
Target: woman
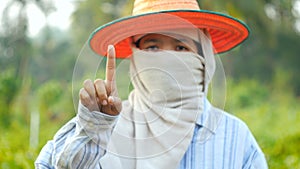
167,122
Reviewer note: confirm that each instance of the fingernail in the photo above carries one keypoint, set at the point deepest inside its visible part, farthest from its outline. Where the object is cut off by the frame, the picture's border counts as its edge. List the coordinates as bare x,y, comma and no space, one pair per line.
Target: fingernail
110,47
104,102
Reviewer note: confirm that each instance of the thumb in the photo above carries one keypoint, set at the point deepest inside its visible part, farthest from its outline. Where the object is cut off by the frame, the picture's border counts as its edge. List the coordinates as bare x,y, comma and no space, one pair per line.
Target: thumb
116,104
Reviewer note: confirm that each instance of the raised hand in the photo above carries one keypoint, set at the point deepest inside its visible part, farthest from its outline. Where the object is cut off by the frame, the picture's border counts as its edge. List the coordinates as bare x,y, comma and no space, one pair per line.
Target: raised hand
102,95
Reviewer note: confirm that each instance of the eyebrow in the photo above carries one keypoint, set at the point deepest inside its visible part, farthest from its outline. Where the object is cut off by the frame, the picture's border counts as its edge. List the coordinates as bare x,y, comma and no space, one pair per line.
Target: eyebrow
151,40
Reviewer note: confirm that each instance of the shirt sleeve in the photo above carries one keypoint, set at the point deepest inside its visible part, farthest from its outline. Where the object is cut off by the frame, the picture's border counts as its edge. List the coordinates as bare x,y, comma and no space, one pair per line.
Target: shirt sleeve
254,157
80,143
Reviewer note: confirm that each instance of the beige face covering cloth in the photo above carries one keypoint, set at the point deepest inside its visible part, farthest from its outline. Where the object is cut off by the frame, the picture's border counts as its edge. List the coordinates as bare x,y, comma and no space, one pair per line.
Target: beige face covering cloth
156,125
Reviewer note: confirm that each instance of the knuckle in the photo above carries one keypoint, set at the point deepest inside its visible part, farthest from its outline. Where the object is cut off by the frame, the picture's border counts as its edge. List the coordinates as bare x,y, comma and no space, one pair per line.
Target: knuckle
111,67
100,87
87,82
88,86
84,97
99,82
82,92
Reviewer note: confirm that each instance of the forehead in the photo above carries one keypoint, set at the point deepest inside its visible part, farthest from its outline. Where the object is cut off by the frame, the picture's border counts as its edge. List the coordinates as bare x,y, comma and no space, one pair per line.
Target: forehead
155,37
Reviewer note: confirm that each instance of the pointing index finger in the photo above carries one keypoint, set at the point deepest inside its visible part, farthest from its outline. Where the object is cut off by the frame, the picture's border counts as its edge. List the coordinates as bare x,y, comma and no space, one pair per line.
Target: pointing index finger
111,66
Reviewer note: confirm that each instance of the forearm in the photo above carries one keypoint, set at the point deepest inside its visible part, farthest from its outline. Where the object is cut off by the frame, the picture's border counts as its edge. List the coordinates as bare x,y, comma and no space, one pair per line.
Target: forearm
81,142
93,130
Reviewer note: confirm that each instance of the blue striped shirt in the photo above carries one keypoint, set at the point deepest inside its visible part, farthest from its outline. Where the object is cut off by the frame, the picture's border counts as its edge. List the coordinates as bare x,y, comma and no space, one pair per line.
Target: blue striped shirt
220,141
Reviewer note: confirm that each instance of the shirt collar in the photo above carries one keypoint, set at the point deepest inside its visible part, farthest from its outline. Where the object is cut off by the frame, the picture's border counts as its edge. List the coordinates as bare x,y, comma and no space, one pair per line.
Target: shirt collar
210,118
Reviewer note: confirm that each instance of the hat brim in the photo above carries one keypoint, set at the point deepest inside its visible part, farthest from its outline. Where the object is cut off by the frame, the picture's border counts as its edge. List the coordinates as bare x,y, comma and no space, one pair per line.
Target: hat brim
226,32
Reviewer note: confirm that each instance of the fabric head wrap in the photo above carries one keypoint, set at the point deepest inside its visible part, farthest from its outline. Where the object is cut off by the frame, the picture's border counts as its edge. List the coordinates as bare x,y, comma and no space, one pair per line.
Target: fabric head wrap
157,122
191,33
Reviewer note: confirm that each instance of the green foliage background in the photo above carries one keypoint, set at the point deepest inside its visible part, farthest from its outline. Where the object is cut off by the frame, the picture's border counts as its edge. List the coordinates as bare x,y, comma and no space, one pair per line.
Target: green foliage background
263,82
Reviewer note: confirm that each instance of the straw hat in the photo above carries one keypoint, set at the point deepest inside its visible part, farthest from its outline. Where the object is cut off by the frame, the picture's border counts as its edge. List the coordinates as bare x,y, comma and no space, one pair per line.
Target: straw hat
157,15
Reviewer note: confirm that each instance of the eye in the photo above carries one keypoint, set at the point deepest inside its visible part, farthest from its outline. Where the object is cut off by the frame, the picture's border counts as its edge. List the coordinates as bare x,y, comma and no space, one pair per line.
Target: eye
182,48
152,48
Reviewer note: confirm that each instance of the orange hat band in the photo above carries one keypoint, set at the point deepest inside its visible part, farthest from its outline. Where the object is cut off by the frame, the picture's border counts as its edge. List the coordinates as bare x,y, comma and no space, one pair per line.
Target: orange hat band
225,31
